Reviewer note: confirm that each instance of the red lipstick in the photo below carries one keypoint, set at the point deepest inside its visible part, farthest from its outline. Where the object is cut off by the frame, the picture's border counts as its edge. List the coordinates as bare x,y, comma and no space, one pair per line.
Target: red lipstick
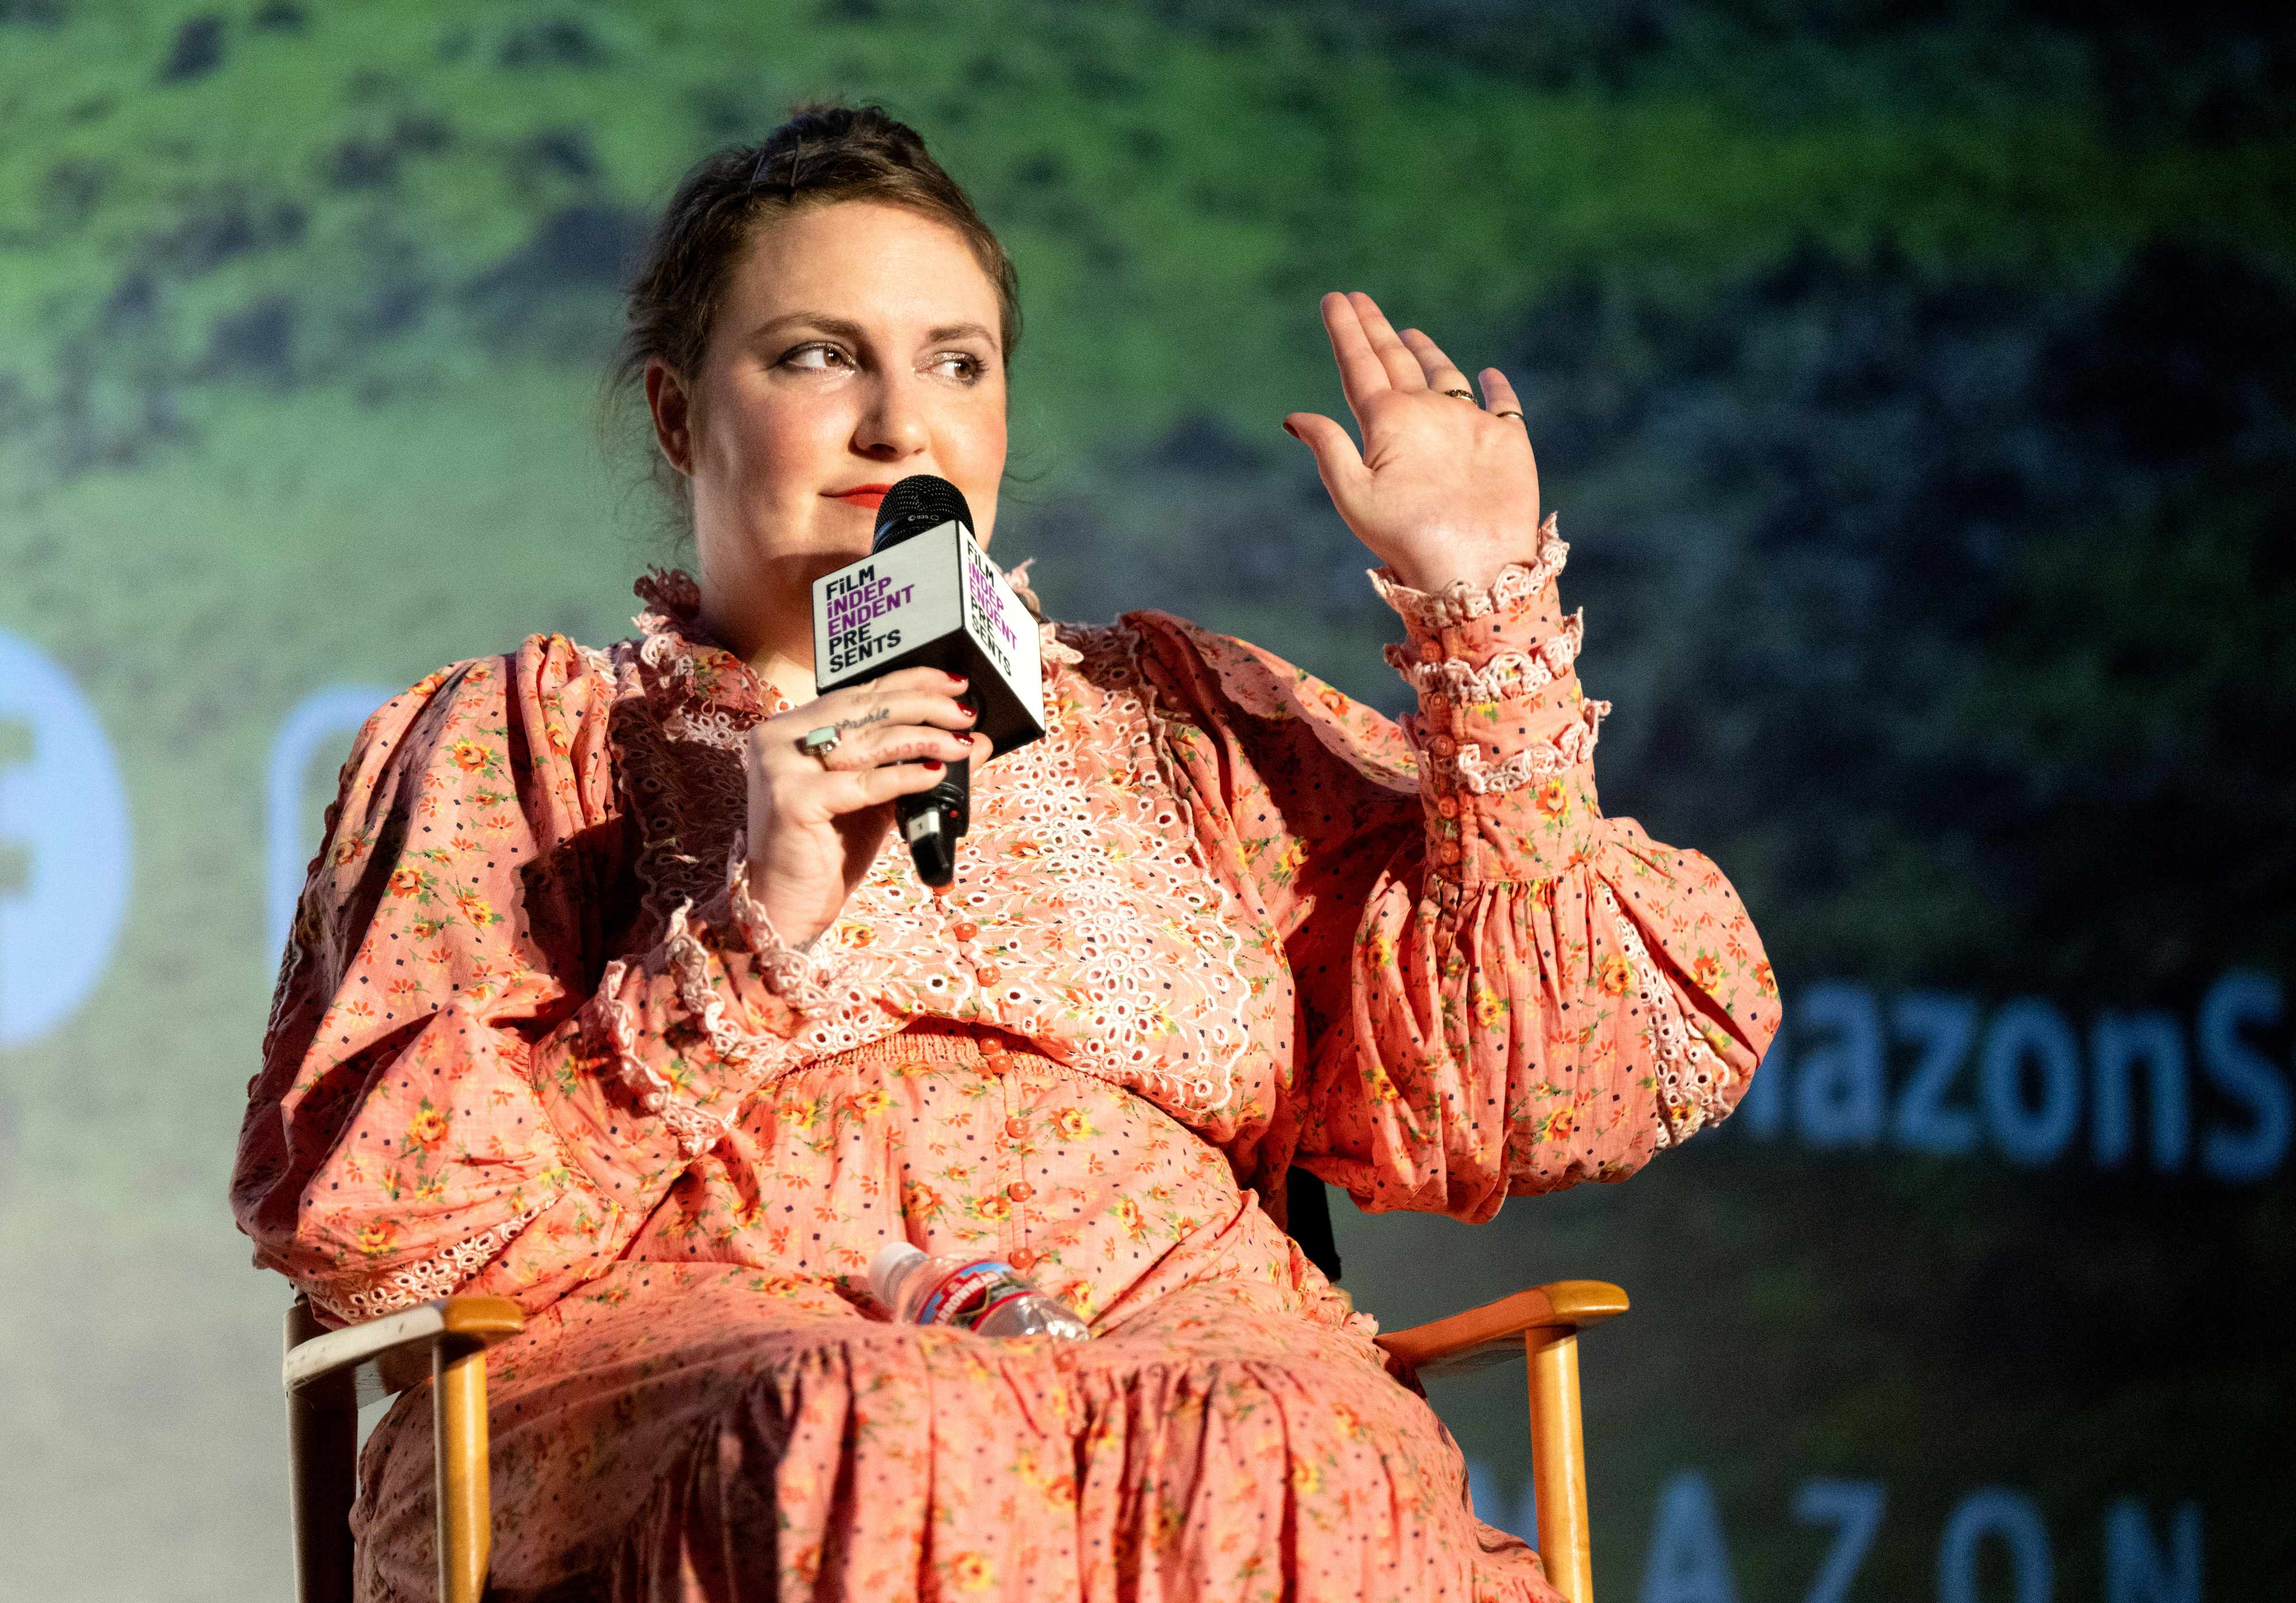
862,494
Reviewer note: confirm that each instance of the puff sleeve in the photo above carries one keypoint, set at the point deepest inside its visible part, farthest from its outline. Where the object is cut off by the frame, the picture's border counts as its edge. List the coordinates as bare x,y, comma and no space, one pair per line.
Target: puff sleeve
1499,990
457,1092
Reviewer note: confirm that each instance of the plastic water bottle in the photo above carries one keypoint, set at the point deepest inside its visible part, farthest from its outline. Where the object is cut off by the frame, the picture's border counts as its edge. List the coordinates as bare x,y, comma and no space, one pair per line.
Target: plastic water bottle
986,1296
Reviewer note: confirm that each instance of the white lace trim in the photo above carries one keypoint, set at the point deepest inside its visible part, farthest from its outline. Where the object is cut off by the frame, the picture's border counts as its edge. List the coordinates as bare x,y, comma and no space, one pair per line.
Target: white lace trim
1507,674
371,1296
1692,1080
1140,983
1532,766
1518,585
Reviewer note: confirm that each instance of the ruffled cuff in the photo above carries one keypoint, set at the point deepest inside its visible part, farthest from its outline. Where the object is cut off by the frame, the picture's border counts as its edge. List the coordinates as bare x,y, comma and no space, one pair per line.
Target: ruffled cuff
806,977
693,1025
1503,734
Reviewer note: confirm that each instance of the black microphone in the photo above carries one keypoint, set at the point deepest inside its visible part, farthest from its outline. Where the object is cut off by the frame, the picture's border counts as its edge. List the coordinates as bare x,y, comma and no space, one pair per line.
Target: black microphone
927,596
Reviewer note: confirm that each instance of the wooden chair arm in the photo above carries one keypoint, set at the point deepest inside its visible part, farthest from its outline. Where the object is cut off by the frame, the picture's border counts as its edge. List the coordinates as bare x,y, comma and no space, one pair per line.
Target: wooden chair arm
1543,1325
328,1375
398,1346
1493,1333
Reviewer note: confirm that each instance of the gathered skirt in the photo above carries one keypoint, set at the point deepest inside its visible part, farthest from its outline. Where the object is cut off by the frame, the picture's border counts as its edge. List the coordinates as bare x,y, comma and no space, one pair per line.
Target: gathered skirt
725,1414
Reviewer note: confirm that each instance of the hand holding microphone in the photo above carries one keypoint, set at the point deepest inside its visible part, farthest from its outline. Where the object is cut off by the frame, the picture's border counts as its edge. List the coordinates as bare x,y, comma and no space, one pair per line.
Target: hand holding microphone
817,822
927,663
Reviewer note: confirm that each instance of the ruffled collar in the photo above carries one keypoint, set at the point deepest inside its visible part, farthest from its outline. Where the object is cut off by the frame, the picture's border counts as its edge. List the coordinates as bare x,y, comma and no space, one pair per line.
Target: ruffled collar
683,662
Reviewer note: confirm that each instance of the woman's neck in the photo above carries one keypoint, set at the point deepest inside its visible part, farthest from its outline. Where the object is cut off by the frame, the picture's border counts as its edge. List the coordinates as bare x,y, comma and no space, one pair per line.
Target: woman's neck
773,631
792,679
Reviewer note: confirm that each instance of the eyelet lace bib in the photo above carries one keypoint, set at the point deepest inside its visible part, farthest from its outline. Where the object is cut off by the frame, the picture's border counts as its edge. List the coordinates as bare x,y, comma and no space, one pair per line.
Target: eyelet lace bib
1100,933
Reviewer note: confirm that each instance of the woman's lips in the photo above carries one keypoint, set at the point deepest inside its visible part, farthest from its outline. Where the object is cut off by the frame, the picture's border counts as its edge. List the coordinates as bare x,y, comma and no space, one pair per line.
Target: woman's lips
865,495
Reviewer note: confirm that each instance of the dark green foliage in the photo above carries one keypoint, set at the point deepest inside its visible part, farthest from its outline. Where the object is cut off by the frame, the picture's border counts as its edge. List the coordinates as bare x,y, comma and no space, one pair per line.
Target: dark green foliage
197,50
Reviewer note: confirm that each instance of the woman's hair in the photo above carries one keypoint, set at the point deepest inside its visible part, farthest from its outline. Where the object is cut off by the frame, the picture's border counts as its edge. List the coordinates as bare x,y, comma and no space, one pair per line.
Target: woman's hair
822,155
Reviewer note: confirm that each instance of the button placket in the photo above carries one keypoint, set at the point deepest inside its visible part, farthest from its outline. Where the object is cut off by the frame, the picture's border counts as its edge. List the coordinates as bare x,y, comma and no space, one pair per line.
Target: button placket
986,974
1011,1166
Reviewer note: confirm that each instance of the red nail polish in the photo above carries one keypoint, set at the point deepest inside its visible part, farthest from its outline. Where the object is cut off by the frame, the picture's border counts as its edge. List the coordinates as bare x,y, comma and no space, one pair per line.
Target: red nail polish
967,709
933,763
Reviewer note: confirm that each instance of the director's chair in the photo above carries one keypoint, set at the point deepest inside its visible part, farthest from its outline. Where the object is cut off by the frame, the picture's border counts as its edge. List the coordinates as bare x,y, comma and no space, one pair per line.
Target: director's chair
329,1374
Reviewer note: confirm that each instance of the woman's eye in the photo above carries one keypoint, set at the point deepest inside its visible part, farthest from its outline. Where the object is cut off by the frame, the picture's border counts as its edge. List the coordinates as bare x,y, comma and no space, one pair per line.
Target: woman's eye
959,365
818,357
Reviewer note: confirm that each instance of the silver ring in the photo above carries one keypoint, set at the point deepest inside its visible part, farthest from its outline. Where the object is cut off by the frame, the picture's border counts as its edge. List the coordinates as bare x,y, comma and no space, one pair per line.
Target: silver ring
1465,395
819,743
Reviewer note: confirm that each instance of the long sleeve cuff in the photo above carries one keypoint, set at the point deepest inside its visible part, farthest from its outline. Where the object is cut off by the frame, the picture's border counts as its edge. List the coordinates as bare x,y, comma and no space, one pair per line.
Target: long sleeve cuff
1503,734
693,1025
806,977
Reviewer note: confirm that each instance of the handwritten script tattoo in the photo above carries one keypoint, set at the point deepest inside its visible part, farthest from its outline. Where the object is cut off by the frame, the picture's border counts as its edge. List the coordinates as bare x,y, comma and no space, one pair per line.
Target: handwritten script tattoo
863,722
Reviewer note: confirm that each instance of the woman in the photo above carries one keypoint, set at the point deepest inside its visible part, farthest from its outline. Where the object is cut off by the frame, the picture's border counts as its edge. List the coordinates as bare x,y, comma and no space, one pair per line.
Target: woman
608,996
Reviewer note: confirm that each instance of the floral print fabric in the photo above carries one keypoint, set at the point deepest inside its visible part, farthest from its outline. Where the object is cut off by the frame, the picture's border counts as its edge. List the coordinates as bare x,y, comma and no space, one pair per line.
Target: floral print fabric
1229,1425
533,1037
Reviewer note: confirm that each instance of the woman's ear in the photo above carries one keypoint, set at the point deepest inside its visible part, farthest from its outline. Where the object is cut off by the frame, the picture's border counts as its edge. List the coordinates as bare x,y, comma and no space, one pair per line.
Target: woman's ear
673,415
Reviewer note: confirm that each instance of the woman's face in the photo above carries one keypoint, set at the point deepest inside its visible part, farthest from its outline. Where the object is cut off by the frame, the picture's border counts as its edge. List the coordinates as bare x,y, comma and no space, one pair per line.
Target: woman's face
857,344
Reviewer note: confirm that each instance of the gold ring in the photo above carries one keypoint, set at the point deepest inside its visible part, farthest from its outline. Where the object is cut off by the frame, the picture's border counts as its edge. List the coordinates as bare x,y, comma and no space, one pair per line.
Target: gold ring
819,743
1516,415
1465,395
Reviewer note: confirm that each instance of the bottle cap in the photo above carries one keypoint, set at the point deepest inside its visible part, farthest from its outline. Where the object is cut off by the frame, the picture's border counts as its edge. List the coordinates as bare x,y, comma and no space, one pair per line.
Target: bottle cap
889,1268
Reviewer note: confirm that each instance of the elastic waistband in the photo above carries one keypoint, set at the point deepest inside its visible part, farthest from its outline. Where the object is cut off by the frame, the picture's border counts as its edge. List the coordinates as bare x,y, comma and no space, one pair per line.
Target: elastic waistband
942,1041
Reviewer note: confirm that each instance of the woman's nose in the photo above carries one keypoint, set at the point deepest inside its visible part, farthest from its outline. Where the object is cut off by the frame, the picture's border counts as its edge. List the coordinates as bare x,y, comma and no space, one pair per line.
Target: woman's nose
893,426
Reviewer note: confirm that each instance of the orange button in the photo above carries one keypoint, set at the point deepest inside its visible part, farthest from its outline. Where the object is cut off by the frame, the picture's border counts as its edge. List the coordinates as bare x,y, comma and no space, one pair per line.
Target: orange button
1444,745
1450,851
1447,805
1016,1127
1431,651
988,974
1024,1260
964,930
995,1060
1019,1190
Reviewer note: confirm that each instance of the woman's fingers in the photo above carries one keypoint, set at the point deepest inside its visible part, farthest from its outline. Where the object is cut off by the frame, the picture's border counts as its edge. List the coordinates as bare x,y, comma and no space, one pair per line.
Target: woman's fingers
1362,374
1442,374
1498,395
1395,358
913,695
888,781
896,743
893,736
914,698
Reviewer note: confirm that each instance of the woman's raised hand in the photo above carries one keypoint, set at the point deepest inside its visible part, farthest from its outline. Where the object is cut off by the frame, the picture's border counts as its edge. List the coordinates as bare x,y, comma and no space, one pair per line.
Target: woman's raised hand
1443,490
817,823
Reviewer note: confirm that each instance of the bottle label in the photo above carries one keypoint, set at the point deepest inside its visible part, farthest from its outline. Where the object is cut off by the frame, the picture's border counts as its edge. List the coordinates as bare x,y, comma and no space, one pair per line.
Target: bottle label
971,1294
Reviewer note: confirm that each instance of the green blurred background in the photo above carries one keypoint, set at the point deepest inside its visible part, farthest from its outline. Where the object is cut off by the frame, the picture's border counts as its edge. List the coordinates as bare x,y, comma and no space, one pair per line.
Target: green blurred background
1915,379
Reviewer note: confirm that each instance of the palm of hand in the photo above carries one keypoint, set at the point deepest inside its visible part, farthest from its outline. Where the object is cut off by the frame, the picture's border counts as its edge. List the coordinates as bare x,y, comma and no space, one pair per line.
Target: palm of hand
1442,489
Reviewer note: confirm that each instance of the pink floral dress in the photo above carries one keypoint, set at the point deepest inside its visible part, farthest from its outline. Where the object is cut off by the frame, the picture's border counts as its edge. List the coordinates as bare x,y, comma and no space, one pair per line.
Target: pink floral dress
533,1037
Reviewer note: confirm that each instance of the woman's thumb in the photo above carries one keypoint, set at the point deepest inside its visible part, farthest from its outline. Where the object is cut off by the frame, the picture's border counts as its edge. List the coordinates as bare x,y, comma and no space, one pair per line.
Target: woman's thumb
1335,451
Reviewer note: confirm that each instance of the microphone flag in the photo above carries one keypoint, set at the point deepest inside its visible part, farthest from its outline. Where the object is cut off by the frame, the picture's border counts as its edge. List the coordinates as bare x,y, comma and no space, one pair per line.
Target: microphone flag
932,599
928,596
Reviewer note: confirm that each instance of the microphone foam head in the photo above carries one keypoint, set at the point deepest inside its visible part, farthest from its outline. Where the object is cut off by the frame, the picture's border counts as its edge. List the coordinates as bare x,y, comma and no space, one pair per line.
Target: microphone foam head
919,503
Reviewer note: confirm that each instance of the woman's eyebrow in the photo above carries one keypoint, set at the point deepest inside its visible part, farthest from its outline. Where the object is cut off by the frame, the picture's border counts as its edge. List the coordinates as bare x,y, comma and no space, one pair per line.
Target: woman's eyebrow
844,328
